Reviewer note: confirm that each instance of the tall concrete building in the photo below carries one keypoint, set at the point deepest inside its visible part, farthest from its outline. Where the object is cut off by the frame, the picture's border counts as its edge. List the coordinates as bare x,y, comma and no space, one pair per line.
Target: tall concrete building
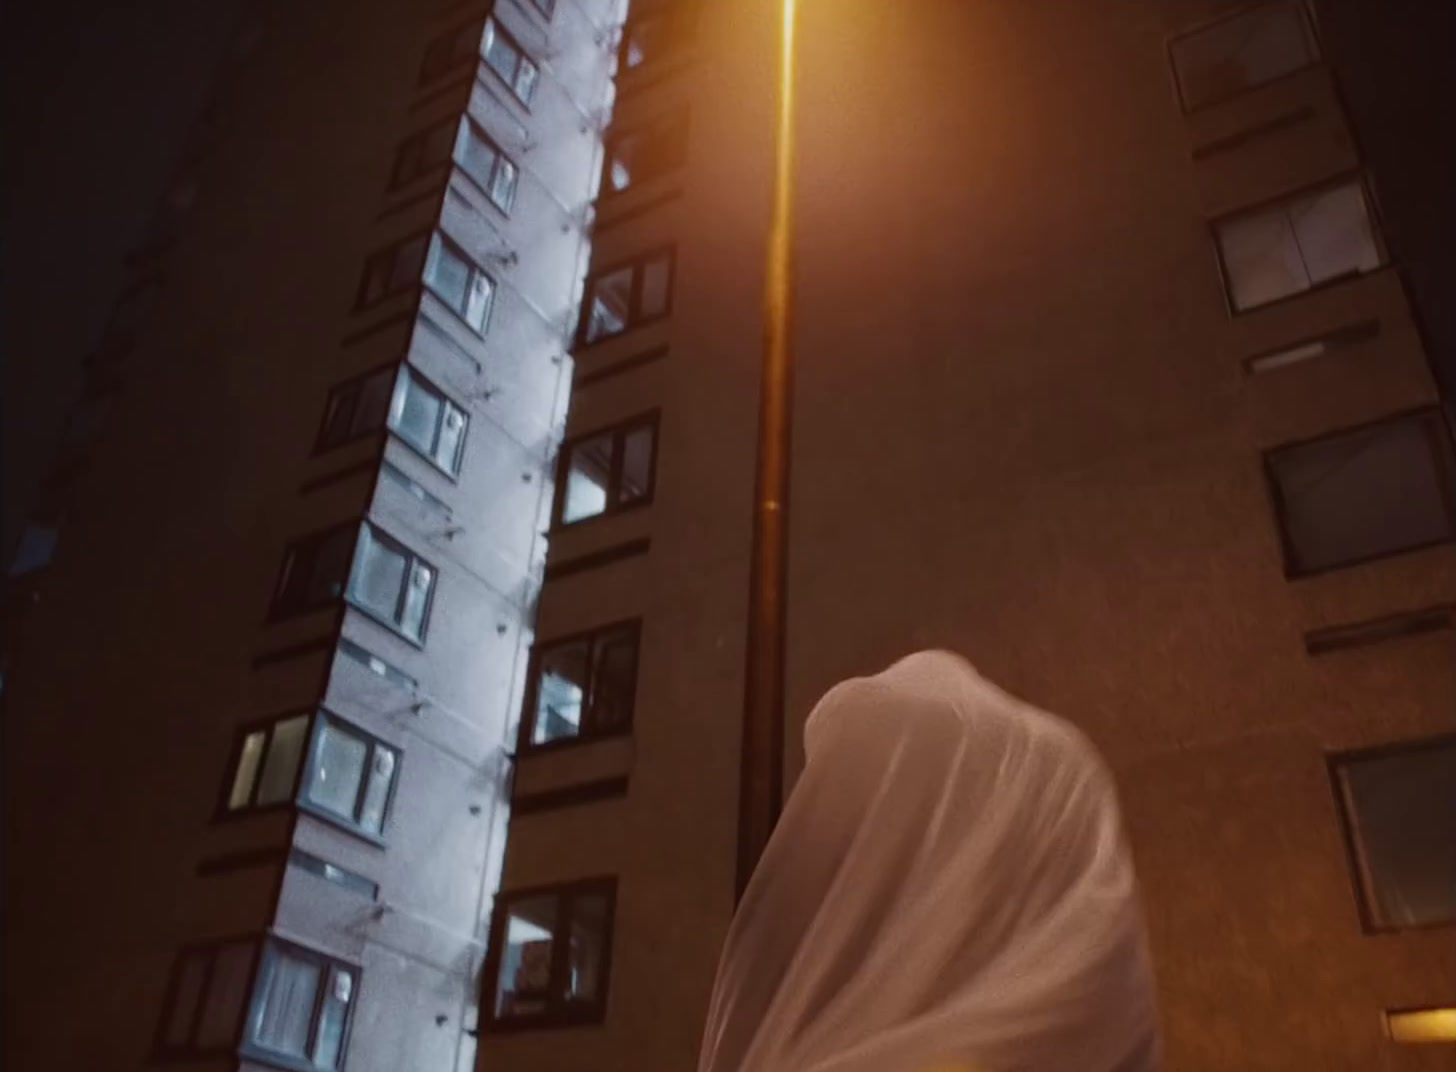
1108,376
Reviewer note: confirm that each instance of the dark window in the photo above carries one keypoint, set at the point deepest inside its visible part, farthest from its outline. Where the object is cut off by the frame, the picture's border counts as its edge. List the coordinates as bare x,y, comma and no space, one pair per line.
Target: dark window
459,283
1399,808
35,550
1241,52
392,271
205,1002
453,50
582,687
607,471
265,764
350,775
654,35
1297,244
644,153
425,152
358,407
484,163
317,865
400,399
505,56
424,418
1363,493
301,1008
315,571
391,583
627,296
551,954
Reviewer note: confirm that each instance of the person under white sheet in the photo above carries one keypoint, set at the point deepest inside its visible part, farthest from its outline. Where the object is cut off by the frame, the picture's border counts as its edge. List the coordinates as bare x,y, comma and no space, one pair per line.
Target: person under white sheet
949,887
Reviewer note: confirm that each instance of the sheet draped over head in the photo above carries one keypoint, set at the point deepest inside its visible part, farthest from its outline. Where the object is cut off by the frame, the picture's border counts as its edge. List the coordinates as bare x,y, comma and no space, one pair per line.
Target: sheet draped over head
948,888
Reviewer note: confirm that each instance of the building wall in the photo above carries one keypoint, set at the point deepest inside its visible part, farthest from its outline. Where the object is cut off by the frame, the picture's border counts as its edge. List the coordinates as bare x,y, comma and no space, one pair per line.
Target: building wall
1024,430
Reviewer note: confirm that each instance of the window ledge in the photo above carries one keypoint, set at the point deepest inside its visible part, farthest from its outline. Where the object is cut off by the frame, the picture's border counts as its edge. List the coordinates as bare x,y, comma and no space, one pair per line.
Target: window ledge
338,821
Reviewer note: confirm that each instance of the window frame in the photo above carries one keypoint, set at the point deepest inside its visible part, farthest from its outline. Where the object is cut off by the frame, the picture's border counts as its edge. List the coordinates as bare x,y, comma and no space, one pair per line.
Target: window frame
278,610
559,1012
1442,450
589,733
408,371
638,263
1377,231
1355,864
682,19
163,1053
670,122
353,383
411,556
619,432
420,137
523,57
222,812
361,300
322,716
467,126
476,269
1311,29
546,8
247,1050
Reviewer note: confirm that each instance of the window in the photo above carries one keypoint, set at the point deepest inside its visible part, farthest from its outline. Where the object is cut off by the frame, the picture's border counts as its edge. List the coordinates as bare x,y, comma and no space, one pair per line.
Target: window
392,271
350,775
344,879
204,1008
357,408
453,50
391,583
423,417
654,35
301,1006
423,153
1363,493
315,569
505,56
606,472
582,687
1399,809
265,764
648,152
458,282
1299,243
1241,52
551,954
627,296
546,7
399,398
1433,1025
484,163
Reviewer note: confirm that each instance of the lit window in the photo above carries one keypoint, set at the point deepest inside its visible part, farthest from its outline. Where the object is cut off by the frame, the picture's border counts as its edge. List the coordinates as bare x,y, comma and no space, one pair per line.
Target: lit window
627,296
357,408
582,687
350,775
1363,493
453,50
315,569
607,471
459,283
1399,806
390,583
505,56
424,418
1239,53
391,271
654,35
1297,244
266,763
479,159
204,1008
551,949
637,156
1422,1026
300,1009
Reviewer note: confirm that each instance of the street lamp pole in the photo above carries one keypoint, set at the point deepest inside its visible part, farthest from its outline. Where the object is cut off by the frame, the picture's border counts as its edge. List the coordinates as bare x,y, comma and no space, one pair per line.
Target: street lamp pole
761,779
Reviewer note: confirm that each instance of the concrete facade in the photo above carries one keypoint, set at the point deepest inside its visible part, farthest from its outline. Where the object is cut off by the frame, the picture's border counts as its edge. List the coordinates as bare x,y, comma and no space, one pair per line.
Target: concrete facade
1024,429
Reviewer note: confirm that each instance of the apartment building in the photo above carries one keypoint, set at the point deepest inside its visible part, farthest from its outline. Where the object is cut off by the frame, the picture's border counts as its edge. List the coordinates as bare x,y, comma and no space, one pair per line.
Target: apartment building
1107,377
268,625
